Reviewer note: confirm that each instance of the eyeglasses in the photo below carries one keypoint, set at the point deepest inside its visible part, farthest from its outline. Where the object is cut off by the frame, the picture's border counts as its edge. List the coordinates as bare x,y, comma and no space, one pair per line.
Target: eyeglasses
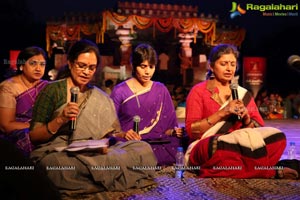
82,66
34,63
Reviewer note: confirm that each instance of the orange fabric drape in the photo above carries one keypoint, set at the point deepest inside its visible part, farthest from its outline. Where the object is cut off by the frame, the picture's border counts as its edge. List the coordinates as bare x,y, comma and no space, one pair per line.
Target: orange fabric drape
161,24
70,32
234,37
55,32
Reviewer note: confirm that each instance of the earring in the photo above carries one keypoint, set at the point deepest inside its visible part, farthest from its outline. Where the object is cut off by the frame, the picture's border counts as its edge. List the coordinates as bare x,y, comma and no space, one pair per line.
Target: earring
21,68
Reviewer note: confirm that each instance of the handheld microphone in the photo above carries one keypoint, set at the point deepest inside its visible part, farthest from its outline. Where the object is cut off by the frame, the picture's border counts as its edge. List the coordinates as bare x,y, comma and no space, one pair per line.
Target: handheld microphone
234,93
74,97
136,121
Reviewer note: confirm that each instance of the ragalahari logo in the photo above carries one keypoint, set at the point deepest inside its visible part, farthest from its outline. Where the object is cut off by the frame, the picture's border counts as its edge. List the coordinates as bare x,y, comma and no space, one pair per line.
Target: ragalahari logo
236,10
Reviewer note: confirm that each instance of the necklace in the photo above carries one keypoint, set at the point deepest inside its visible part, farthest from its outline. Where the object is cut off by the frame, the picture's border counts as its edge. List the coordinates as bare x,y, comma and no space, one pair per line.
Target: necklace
28,87
139,90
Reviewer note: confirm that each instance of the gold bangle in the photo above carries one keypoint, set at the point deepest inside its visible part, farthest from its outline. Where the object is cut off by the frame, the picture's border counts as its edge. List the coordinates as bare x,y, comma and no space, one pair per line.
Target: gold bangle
246,125
173,132
116,134
50,132
209,123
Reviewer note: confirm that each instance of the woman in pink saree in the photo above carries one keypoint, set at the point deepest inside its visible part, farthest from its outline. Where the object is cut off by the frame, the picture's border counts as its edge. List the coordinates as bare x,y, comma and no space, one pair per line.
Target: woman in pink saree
17,96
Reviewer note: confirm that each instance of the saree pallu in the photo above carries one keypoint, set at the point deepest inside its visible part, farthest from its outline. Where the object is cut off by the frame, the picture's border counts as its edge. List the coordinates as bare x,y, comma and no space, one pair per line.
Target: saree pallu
24,105
229,150
244,153
126,165
26,100
156,110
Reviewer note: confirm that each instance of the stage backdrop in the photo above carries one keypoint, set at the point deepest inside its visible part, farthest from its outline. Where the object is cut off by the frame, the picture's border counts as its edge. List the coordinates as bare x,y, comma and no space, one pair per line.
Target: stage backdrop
13,55
254,69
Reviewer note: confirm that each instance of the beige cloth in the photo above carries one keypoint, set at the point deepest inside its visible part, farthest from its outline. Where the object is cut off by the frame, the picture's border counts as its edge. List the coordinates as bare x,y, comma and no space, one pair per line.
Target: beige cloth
9,90
92,172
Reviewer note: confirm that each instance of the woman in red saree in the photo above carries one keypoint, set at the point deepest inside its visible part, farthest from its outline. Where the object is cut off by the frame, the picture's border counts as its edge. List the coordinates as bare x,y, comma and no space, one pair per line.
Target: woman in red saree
229,138
17,96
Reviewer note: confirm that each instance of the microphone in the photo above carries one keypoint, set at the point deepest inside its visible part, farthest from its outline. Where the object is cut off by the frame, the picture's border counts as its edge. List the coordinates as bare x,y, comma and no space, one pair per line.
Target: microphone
136,121
234,93
74,96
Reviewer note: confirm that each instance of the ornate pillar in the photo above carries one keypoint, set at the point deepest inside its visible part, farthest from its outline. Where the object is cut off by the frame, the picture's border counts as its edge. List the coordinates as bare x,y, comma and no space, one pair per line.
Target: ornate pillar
185,54
125,38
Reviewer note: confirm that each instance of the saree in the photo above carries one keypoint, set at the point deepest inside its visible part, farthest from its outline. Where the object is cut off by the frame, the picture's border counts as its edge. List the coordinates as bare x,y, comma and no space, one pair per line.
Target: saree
126,164
157,113
23,103
229,150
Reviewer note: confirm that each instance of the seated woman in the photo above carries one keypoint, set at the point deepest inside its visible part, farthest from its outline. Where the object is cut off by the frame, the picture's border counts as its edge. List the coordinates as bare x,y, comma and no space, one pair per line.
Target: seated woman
229,138
85,173
17,96
151,101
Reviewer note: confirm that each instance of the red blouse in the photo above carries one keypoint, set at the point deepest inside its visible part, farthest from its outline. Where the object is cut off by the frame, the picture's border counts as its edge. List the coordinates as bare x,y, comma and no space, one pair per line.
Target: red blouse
202,102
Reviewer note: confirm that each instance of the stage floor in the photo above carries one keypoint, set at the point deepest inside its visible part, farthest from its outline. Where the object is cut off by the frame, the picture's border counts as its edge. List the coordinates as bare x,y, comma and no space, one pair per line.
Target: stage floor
291,128
192,187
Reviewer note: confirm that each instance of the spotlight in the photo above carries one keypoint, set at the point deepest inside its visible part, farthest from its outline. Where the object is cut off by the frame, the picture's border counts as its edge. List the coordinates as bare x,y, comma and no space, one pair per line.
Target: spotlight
294,62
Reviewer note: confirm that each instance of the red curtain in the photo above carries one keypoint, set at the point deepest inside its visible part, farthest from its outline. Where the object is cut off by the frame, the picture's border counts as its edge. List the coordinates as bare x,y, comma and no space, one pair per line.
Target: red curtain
13,55
254,69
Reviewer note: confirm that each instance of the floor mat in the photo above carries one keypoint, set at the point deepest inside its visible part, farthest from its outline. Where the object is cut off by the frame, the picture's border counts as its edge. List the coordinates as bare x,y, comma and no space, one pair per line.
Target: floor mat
191,187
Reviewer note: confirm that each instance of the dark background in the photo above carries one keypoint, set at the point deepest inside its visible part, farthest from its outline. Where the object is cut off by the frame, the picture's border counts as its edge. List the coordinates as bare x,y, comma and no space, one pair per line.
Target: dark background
23,24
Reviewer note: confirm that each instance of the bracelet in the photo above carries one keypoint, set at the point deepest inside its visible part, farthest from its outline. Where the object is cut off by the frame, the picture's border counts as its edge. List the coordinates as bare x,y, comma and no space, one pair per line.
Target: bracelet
116,133
173,132
245,125
50,132
209,123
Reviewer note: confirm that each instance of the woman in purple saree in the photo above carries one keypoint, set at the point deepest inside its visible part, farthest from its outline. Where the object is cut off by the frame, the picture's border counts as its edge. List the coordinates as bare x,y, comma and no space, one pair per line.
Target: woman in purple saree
17,96
151,101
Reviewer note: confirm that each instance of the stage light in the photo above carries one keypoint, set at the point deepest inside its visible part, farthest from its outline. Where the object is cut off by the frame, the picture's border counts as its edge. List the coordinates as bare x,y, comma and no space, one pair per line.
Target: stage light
294,62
